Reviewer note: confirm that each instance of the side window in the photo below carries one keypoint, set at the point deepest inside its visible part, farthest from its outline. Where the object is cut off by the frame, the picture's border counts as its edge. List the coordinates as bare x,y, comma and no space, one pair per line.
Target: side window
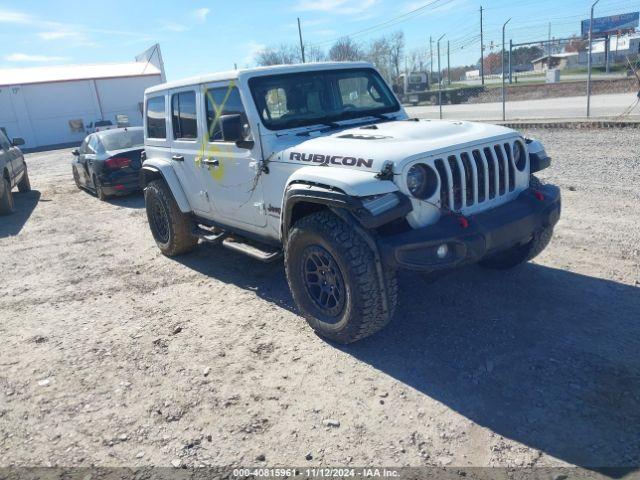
183,116
83,147
223,101
92,146
4,141
156,118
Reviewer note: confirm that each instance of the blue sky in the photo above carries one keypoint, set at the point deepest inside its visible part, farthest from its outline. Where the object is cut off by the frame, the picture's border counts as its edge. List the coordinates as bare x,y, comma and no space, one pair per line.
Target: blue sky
199,36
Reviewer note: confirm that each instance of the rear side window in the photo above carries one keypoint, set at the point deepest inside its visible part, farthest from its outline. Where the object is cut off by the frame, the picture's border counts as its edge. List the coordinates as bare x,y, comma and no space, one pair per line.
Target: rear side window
156,119
183,116
222,101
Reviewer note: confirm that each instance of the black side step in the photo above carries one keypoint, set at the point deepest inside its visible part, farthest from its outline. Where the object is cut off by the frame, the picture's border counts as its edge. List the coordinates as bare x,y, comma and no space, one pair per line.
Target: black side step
251,250
210,235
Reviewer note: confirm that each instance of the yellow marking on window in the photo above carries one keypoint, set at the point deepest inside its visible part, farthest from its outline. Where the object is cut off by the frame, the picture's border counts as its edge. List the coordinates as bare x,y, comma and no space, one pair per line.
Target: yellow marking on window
209,149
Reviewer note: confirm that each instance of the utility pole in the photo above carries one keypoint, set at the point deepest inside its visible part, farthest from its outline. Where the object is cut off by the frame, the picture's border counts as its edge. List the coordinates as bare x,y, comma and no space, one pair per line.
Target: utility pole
549,49
504,99
510,55
235,66
448,65
481,48
430,61
440,77
301,44
593,6
607,52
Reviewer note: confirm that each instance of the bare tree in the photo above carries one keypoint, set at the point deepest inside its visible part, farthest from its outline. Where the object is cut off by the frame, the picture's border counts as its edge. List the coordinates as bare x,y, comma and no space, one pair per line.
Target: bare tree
345,50
282,55
379,53
396,50
418,59
576,44
314,54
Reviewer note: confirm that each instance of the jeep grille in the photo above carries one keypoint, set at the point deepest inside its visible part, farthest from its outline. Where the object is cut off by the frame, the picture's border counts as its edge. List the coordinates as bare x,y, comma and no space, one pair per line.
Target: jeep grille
476,176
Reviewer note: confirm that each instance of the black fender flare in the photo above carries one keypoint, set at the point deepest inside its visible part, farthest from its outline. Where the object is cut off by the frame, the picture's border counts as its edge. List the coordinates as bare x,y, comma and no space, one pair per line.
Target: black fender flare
166,173
337,200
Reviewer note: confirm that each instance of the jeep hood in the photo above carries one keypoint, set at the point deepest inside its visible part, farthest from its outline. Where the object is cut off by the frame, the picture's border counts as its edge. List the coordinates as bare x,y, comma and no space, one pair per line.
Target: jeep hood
369,147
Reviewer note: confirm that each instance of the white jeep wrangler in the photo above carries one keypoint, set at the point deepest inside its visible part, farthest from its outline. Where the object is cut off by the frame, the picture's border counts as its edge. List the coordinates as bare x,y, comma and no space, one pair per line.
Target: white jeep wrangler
319,162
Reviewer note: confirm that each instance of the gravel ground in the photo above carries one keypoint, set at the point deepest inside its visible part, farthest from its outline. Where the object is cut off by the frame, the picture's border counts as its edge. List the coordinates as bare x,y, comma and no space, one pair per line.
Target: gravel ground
114,355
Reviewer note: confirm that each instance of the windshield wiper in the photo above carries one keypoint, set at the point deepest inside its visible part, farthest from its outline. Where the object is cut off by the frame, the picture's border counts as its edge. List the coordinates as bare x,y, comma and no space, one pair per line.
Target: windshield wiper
381,116
331,125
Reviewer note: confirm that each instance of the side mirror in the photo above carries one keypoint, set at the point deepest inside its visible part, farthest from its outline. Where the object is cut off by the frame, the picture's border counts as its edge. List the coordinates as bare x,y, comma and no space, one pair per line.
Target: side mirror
75,152
232,127
17,142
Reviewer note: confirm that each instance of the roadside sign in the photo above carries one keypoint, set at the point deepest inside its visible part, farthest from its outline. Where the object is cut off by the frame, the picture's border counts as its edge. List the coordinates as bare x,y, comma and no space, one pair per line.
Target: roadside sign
613,24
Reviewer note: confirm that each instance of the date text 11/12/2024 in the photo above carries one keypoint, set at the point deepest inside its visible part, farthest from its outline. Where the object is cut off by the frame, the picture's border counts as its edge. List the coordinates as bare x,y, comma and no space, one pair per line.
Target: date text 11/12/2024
316,472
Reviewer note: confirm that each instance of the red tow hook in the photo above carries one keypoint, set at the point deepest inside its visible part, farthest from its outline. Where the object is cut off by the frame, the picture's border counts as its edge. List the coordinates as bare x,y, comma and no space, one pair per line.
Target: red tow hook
539,195
463,221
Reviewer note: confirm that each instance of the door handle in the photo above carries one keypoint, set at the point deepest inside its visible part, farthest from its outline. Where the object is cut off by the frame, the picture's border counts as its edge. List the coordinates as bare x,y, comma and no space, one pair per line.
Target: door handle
213,162
178,158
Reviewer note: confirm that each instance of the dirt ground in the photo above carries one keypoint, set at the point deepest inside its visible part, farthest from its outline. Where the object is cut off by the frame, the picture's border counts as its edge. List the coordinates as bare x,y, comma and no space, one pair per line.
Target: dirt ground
114,355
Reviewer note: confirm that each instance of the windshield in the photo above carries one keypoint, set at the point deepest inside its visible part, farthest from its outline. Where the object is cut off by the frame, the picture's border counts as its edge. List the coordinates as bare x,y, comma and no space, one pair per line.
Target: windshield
121,139
308,98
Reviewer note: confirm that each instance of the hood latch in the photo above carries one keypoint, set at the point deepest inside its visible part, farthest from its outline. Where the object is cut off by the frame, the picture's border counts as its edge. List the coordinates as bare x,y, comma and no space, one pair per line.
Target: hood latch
386,173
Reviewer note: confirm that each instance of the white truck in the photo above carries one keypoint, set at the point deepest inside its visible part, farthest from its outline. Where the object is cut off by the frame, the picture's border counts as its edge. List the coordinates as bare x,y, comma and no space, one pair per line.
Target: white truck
320,164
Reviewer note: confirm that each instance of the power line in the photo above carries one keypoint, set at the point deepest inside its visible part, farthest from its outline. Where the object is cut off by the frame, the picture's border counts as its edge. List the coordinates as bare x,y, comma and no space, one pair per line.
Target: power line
393,21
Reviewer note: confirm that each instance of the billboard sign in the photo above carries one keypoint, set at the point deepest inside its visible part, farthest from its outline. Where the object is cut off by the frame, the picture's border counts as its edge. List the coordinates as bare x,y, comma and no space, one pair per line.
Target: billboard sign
607,25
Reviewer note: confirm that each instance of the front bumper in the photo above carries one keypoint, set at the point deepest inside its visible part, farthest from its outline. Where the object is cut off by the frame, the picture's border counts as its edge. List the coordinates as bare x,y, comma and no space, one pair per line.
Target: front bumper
487,233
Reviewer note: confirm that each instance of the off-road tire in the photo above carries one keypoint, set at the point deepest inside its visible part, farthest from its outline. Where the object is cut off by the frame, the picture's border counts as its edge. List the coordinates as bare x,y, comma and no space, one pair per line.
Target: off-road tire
179,238
522,253
363,313
76,177
6,198
25,184
98,188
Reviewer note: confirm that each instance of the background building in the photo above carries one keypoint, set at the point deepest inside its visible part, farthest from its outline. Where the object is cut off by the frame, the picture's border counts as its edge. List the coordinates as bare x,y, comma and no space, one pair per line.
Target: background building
58,105
619,49
561,61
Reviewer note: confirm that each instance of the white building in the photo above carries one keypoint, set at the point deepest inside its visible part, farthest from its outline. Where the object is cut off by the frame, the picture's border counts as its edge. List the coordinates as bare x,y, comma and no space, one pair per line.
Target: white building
57,105
560,61
619,48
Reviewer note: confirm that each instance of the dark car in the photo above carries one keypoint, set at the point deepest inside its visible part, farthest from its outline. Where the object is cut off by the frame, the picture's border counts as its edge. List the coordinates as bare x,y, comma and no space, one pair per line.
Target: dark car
13,171
108,162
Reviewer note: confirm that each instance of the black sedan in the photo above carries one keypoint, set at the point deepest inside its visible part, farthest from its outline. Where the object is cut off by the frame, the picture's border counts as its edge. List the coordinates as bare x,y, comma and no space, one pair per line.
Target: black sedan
108,162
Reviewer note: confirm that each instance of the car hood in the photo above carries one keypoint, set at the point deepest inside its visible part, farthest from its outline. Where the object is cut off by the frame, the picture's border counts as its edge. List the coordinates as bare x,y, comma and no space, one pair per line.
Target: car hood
369,147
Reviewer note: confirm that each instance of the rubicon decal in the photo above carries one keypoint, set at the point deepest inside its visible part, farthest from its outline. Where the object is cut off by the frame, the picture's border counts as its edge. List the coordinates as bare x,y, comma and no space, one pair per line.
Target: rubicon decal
331,159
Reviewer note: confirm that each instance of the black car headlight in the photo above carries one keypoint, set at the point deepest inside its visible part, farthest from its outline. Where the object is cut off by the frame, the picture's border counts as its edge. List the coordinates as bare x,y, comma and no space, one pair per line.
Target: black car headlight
520,156
422,181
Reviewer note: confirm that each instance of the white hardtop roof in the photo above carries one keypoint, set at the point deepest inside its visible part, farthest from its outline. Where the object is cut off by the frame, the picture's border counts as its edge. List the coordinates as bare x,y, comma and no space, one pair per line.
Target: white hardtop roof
257,71
69,73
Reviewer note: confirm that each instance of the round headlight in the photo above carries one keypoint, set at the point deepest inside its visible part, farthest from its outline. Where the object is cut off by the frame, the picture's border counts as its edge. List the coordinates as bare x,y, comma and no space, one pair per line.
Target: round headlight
519,156
422,181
